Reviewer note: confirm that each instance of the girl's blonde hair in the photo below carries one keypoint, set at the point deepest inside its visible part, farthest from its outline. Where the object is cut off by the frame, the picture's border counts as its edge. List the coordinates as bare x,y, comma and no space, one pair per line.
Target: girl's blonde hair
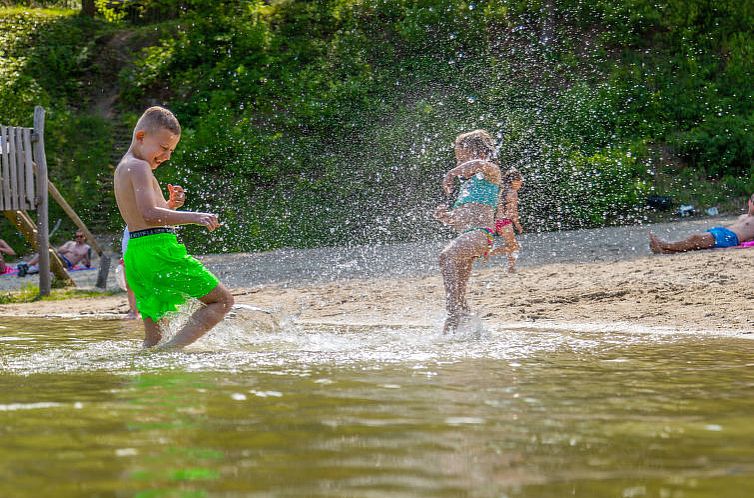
479,142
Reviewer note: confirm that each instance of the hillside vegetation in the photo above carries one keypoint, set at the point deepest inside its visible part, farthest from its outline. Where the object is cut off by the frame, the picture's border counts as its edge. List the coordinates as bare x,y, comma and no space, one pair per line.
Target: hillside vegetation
331,122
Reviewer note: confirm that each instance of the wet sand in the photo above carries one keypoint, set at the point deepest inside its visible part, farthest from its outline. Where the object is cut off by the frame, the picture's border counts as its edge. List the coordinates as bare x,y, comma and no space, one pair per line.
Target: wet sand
599,279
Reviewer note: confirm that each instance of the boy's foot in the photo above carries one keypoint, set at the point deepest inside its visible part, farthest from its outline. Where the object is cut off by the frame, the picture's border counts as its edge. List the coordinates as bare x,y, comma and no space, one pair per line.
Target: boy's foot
23,269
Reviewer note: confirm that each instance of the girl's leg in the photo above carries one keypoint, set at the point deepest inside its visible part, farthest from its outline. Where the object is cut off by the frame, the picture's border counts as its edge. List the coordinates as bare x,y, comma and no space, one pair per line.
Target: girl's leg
456,261
511,246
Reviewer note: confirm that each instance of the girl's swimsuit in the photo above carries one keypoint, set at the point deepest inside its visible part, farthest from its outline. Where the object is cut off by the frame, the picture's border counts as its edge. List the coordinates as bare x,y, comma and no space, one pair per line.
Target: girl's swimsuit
490,237
477,190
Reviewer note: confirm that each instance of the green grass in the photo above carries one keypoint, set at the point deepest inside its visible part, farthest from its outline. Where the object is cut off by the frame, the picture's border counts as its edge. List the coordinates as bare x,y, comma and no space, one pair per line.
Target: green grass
37,11
30,293
305,122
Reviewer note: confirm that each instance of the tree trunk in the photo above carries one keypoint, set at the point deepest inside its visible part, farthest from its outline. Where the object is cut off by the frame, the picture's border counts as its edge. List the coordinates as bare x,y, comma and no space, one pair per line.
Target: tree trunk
88,8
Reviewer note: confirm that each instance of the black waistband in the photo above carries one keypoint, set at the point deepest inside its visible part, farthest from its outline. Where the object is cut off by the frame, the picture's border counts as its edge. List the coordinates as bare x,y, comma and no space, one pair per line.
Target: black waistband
149,231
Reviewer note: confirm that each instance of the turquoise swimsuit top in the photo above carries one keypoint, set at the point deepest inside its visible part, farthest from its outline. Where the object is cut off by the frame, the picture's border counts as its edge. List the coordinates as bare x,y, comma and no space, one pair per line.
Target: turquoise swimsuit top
479,191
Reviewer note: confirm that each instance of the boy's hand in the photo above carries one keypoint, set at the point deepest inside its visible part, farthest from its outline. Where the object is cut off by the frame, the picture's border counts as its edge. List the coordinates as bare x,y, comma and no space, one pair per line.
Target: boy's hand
209,220
177,196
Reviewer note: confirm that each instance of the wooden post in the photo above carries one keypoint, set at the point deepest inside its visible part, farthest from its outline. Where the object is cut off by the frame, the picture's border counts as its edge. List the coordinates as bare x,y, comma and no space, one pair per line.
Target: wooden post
43,224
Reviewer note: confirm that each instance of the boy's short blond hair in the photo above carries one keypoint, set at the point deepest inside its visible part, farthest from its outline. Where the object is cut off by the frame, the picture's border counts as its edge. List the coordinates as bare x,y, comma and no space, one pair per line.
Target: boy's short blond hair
158,118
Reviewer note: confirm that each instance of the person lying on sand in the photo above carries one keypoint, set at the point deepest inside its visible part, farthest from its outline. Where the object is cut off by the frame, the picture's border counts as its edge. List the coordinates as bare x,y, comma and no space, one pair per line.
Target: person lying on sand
742,230
71,254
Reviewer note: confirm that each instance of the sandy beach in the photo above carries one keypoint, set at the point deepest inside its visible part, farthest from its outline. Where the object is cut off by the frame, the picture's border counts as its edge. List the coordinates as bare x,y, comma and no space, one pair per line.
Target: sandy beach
598,279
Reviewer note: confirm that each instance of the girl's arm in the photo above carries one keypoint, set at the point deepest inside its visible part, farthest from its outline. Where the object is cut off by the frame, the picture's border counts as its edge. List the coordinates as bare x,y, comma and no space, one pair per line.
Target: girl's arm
511,209
500,211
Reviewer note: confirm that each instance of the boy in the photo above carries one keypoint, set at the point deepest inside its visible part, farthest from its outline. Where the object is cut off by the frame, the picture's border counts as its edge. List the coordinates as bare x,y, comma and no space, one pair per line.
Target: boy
742,230
160,272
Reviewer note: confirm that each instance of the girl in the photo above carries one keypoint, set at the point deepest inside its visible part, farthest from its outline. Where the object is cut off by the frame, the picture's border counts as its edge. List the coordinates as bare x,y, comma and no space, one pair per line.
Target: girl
506,218
473,215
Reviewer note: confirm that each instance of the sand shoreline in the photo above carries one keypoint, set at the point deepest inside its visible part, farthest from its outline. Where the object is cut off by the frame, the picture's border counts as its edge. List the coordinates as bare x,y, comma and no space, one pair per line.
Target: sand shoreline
704,291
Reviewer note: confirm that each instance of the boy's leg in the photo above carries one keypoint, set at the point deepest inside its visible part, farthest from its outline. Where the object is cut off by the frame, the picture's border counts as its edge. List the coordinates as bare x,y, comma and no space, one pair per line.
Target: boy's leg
692,243
218,303
152,334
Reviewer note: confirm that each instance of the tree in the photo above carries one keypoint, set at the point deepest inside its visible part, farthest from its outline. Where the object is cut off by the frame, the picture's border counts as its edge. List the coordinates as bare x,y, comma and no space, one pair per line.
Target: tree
88,8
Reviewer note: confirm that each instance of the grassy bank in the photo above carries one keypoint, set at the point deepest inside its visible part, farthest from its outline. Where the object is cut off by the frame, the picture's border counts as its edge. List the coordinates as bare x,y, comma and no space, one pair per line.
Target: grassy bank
319,123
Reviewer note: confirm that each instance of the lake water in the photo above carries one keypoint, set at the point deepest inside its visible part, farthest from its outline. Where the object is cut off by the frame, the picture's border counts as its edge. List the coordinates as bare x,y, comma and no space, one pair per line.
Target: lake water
373,412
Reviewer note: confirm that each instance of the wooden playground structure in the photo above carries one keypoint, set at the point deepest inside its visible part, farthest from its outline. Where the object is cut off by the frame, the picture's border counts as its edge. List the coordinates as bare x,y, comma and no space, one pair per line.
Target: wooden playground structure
24,187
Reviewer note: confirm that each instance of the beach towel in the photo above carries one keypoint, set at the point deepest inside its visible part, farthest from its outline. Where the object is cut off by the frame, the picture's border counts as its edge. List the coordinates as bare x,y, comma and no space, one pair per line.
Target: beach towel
12,271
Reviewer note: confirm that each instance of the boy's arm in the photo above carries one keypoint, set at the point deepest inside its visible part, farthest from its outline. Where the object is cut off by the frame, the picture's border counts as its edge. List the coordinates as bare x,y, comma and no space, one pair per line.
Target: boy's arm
149,206
177,196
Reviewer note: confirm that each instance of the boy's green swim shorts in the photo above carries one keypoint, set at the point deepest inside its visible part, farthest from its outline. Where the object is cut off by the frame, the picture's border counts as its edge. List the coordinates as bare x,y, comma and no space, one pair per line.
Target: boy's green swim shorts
162,275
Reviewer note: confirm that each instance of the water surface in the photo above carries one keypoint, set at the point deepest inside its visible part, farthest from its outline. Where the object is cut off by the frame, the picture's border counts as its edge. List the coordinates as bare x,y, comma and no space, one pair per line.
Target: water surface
373,412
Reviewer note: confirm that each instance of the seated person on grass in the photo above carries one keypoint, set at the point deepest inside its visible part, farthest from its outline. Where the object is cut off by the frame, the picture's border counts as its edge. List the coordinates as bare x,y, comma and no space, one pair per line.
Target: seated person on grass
71,253
742,230
5,249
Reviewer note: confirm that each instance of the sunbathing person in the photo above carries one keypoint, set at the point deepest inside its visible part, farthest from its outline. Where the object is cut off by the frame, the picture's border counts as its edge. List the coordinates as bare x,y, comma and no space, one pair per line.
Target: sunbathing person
71,254
742,230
